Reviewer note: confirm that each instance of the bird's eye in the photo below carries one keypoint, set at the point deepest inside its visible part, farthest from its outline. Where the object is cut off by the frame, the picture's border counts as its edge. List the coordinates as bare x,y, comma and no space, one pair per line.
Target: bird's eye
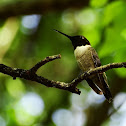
82,37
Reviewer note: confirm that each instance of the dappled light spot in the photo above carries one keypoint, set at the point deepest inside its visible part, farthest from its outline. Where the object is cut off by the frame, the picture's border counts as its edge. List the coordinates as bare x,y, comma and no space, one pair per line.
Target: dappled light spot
64,117
119,117
30,23
15,88
86,99
94,98
86,17
7,34
29,108
120,101
2,122
78,101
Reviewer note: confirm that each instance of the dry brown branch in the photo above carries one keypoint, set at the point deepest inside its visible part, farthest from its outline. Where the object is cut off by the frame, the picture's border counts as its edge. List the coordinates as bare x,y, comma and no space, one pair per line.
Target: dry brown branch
71,87
97,70
31,75
20,7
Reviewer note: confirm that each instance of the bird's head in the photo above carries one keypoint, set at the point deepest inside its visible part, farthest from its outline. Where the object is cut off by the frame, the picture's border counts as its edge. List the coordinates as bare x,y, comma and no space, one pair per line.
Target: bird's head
78,40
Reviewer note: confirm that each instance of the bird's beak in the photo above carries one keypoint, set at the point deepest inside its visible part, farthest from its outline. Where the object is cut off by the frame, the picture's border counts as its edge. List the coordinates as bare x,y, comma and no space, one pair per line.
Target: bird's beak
63,34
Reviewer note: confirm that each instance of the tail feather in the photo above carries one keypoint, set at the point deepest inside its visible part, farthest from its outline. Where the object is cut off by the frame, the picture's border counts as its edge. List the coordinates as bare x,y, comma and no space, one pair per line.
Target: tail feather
107,94
105,89
94,87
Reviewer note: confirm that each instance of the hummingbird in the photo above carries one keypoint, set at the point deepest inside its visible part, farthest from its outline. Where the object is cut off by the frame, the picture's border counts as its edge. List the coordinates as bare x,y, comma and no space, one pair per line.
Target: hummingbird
87,59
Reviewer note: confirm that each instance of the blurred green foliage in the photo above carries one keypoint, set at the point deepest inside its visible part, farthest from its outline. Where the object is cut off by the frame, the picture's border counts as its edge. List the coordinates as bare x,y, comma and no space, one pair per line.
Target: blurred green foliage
29,39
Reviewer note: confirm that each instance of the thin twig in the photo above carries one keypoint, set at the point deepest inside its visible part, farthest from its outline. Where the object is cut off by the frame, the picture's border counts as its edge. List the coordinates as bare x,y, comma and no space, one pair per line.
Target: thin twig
43,62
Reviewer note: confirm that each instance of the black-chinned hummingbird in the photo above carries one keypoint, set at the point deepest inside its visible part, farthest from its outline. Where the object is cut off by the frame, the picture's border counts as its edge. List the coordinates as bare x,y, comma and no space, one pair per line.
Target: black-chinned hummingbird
88,59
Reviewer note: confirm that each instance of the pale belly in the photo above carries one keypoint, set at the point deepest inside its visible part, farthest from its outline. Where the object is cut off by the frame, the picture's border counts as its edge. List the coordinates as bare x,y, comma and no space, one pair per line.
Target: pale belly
83,55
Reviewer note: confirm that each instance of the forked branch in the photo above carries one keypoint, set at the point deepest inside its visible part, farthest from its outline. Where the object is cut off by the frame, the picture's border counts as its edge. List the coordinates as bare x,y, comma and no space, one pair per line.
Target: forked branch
71,87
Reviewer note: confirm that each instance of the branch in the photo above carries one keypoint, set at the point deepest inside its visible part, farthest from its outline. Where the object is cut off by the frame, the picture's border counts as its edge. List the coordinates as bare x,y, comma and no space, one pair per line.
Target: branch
22,7
43,62
71,87
31,75
39,7
100,69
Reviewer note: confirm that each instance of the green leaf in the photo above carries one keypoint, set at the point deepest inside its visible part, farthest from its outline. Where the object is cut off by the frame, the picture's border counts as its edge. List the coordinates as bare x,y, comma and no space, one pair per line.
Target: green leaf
112,10
98,3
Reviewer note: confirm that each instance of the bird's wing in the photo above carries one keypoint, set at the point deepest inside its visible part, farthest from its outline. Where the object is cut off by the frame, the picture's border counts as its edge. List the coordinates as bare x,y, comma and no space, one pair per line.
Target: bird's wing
101,76
95,58
93,86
